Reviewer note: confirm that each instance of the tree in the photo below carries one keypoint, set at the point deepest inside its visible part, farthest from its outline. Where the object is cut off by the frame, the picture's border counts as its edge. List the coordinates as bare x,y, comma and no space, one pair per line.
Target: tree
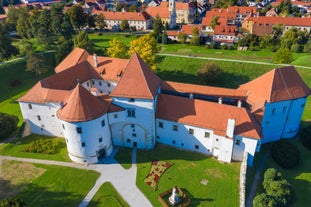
12,17
283,55
6,47
277,31
209,72
66,28
294,36
117,49
264,200
214,22
285,154
56,15
35,63
100,21
82,41
90,21
307,47
146,47
2,10
195,40
164,37
22,25
8,124
157,28
133,8
77,17
182,37
43,36
12,202
124,25
63,50
33,22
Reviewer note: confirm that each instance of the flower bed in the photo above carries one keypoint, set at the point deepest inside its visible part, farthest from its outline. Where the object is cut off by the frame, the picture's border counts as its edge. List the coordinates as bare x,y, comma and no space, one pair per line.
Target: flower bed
156,171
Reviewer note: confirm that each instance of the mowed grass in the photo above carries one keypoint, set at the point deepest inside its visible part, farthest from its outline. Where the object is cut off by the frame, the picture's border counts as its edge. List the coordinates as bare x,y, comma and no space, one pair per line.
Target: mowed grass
106,196
299,177
16,148
124,157
58,186
103,40
222,189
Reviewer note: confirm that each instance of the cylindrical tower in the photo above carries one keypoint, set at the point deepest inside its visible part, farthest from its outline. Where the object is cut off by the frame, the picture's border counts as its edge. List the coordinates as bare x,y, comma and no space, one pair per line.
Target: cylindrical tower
85,125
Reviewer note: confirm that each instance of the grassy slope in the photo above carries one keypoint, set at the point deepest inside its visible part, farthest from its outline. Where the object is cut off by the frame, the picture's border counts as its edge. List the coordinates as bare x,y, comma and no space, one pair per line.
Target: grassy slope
58,183
16,148
299,177
187,172
107,196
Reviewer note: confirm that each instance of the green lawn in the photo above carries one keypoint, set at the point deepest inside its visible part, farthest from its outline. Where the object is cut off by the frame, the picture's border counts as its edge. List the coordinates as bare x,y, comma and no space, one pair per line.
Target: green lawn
102,41
107,196
16,148
124,157
299,177
58,186
187,172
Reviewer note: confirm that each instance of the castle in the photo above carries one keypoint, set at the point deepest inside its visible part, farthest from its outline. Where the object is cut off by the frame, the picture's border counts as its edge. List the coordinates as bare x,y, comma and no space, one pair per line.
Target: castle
96,103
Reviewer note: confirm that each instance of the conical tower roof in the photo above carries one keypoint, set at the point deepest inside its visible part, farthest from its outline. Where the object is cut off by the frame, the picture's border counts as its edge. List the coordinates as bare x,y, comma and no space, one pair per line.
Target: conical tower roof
137,81
82,106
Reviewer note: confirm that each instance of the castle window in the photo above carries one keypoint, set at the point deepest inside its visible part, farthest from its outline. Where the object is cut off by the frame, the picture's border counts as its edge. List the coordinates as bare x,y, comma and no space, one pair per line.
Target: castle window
29,106
132,125
103,123
67,140
161,124
128,140
100,140
115,116
174,142
191,131
133,135
196,146
273,110
100,83
217,140
158,137
93,82
175,127
63,126
237,142
131,100
108,84
39,118
87,84
182,144
131,113
83,144
284,109
207,135
79,130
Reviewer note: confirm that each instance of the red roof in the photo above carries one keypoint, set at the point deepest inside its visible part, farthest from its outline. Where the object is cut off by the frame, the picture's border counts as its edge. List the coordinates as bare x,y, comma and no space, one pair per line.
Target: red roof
187,28
287,21
130,16
224,30
242,9
207,114
280,84
137,81
76,56
205,90
158,11
82,106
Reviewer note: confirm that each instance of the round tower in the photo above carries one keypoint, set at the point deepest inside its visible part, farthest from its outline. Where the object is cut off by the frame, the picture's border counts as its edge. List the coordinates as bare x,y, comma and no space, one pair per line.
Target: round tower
85,125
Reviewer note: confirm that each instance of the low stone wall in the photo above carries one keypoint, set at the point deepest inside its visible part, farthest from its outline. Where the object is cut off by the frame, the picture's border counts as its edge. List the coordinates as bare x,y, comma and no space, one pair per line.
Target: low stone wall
183,195
243,170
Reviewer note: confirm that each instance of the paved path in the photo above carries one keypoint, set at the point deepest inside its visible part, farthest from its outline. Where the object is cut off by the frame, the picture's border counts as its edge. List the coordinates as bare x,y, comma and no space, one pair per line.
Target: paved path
231,60
124,181
249,202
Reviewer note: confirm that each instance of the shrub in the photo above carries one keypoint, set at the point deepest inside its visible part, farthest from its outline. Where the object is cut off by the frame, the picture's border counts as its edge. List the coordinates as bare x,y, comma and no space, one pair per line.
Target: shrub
21,130
264,200
209,72
305,137
283,55
45,146
8,124
285,154
12,202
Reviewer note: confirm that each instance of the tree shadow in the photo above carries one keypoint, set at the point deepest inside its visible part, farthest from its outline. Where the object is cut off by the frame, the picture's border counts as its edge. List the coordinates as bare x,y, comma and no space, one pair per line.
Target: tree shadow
178,76
195,201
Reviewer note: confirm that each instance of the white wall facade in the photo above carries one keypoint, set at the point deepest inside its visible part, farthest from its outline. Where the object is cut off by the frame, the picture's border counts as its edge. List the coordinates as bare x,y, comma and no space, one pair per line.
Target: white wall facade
85,146
138,125
242,145
42,118
139,25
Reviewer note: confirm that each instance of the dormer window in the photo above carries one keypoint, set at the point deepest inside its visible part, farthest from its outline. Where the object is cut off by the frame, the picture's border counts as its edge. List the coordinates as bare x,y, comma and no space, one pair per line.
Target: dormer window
131,100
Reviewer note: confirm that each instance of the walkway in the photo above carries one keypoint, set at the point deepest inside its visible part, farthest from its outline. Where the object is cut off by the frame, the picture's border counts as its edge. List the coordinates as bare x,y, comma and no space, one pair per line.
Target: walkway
231,60
124,181
249,202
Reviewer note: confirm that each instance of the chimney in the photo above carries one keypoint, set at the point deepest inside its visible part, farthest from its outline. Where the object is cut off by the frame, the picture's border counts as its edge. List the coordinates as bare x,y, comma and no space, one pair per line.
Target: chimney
220,100
230,128
191,95
239,103
95,60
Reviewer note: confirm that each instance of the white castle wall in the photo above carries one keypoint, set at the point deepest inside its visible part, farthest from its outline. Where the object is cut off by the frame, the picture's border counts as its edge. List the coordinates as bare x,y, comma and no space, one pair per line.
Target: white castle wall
84,147
143,121
245,144
42,118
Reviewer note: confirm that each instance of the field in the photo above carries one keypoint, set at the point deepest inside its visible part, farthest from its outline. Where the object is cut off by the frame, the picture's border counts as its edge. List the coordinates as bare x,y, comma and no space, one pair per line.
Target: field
107,196
16,148
189,169
47,185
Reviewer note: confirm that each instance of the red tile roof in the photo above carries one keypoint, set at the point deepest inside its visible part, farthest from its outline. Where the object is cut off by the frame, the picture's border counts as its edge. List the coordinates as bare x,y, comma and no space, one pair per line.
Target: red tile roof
224,30
82,106
76,56
287,21
242,9
158,11
205,90
137,81
279,84
207,115
187,28
130,16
